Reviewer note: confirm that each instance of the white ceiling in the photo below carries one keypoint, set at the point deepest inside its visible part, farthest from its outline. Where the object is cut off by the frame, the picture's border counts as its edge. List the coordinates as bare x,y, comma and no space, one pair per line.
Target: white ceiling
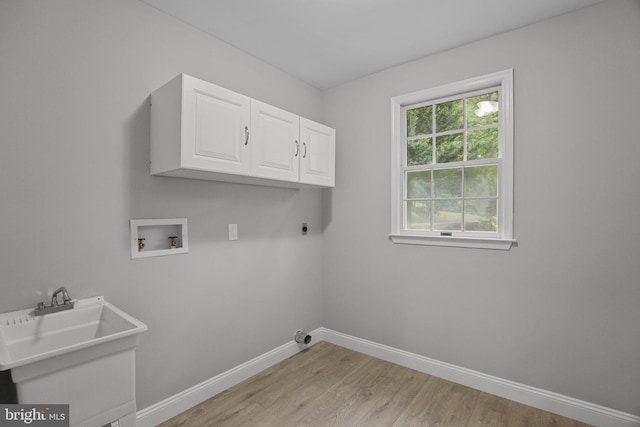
329,42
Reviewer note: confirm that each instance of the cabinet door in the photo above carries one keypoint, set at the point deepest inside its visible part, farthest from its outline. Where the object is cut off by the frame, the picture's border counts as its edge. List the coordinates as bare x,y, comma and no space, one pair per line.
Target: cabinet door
215,126
318,152
275,146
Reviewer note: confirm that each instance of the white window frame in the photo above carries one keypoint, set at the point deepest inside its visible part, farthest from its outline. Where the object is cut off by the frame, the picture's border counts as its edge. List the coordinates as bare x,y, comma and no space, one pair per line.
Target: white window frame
504,236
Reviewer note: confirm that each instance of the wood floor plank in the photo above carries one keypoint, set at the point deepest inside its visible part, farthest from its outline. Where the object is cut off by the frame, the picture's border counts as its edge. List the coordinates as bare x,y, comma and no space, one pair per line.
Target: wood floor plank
324,410
320,375
399,388
439,402
490,410
330,386
376,393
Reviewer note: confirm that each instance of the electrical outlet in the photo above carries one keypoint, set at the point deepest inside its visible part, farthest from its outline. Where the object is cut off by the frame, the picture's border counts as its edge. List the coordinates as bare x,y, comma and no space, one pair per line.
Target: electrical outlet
233,231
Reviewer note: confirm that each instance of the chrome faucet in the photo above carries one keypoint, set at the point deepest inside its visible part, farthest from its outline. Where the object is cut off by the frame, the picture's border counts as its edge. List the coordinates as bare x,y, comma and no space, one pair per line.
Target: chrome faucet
65,297
67,303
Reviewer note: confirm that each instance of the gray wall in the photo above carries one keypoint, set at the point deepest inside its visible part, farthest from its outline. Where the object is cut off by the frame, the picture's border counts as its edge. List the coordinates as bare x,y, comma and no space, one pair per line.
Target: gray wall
75,80
561,311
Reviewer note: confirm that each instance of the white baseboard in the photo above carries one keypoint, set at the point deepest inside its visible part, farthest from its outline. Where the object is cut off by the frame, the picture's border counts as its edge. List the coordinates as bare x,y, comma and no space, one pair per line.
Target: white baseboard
563,405
548,401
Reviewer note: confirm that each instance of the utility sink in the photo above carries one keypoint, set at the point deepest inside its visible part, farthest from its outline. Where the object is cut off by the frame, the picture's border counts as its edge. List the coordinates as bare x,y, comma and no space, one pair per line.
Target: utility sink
26,339
84,357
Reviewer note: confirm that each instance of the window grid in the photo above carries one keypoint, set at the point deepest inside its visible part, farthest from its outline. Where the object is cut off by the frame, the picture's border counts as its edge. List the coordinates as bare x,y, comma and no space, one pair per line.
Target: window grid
463,165
462,199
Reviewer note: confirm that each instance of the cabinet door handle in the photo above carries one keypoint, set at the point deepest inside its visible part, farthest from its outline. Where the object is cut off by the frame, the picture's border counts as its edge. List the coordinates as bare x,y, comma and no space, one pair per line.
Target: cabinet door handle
297,148
304,145
246,135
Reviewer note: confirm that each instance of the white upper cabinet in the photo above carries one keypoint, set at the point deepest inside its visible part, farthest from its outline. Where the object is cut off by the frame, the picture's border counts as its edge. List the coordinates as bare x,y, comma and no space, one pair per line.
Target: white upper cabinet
318,153
275,143
217,121
200,126
203,131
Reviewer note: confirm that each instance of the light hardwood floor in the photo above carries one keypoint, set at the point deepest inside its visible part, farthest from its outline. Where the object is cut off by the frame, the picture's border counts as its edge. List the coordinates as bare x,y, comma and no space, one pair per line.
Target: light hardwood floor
328,385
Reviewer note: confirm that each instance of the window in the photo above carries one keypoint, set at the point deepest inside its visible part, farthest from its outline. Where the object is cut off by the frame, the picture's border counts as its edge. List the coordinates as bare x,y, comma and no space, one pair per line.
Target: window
452,164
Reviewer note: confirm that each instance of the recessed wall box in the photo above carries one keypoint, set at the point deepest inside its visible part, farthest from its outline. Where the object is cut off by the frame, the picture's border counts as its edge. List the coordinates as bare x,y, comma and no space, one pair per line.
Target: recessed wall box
160,237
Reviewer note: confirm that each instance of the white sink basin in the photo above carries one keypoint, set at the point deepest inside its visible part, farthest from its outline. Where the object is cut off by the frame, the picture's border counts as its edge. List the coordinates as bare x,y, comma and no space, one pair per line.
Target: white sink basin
25,338
83,357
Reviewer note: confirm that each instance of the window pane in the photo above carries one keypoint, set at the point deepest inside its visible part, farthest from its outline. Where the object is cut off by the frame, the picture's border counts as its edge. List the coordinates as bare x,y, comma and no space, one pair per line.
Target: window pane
482,144
419,121
481,181
449,116
482,110
447,182
419,185
447,215
481,215
449,148
419,152
418,215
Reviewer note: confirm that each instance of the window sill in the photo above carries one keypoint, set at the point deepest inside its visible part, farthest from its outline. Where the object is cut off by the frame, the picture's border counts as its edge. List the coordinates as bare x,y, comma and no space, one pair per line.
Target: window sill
457,242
